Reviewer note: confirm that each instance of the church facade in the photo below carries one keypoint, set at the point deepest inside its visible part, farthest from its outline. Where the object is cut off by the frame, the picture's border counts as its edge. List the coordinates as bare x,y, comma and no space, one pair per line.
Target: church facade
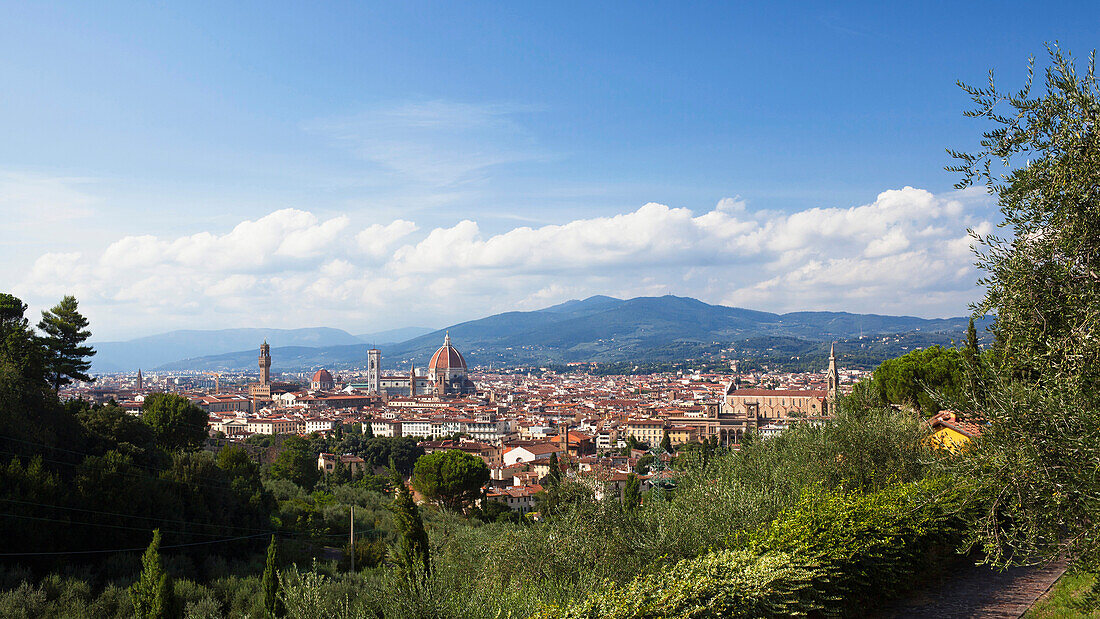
447,375
742,410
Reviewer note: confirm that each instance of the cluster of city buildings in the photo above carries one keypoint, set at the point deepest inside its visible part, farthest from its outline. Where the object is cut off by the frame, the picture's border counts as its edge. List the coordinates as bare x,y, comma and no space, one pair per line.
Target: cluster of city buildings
518,423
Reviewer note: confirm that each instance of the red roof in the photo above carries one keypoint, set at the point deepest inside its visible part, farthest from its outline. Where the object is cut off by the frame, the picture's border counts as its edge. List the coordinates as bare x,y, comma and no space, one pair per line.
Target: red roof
321,376
781,393
447,358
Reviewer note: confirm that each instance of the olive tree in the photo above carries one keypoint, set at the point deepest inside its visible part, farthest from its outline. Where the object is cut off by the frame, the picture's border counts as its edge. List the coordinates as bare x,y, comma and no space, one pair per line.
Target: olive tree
1037,461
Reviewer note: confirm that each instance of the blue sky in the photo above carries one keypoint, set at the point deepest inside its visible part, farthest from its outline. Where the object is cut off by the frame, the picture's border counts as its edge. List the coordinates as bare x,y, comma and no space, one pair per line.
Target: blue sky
137,138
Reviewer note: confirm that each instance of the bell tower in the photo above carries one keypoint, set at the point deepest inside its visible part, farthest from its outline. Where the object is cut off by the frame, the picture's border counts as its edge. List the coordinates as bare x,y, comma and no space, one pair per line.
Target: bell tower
374,370
833,379
265,364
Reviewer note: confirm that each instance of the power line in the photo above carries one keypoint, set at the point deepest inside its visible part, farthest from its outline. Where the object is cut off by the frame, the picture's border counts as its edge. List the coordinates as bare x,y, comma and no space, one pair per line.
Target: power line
90,455
127,473
153,518
106,525
114,550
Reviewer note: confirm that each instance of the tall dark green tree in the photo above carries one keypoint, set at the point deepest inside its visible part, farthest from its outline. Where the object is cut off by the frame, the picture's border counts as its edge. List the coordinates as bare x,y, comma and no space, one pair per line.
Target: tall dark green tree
1041,160
632,492
666,443
273,604
18,346
554,477
152,594
412,554
179,424
972,361
65,330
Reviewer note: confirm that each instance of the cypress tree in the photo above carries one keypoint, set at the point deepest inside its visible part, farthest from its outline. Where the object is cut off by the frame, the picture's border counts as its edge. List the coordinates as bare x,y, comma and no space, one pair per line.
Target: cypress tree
412,554
270,583
972,357
632,493
666,443
554,477
152,594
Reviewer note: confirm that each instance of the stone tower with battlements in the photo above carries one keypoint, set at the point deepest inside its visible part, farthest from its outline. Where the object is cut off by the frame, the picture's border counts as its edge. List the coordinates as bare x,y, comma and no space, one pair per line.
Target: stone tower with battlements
265,364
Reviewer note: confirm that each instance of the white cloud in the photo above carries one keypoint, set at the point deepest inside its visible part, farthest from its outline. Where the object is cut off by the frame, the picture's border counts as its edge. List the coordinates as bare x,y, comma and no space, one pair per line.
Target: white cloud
907,251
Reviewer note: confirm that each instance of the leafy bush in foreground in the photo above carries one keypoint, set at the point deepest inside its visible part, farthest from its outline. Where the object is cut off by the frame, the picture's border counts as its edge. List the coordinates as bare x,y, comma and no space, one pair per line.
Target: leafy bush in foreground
831,553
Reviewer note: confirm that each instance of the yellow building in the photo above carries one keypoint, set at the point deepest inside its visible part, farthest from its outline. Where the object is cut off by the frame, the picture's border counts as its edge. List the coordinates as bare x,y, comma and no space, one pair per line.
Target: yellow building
951,434
678,435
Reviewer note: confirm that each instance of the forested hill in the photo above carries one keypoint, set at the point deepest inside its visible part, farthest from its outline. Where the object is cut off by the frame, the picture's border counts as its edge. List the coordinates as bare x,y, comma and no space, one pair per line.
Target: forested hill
605,329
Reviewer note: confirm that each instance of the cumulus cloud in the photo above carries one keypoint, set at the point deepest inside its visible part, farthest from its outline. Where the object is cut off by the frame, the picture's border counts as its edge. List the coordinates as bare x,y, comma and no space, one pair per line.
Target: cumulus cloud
907,251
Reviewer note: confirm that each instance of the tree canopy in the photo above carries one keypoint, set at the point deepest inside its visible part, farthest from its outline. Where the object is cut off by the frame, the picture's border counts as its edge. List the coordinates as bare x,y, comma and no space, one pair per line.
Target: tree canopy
296,462
920,379
179,424
450,478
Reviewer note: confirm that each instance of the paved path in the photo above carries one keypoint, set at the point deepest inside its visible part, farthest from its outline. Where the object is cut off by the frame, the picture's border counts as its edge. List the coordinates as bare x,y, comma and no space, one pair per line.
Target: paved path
978,591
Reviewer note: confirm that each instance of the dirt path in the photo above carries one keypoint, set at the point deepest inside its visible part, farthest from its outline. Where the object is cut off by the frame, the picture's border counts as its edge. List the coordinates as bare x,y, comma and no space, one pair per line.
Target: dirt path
978,591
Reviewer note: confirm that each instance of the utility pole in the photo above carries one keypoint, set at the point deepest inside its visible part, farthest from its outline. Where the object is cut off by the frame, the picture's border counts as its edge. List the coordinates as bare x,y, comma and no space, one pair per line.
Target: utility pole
352,539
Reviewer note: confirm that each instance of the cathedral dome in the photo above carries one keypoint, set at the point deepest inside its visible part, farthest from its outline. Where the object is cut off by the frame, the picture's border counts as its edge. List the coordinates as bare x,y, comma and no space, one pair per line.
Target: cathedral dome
322,380
447,357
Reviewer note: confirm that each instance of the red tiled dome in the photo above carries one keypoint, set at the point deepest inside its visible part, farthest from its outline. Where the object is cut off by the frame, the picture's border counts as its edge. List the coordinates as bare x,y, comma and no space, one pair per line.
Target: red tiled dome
321,376
447,358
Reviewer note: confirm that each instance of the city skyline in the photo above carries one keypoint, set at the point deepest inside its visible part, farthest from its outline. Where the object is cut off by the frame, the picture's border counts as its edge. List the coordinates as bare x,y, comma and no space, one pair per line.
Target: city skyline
375,167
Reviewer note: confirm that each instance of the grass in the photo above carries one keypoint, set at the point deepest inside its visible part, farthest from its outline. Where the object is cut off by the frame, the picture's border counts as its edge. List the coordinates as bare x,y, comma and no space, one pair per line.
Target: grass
1066,599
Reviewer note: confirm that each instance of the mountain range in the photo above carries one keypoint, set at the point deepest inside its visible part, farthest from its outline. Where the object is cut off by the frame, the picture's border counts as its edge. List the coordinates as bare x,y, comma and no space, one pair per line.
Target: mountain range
158,350
598,328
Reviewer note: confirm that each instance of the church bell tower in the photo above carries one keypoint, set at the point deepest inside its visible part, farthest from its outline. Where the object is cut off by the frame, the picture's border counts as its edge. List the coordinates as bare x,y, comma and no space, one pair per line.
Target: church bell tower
374,370
833,379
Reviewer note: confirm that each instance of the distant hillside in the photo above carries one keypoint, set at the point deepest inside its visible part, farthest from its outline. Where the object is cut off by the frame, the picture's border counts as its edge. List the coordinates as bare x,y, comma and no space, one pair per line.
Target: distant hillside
283,359
646,328
393,336
156,350
651,328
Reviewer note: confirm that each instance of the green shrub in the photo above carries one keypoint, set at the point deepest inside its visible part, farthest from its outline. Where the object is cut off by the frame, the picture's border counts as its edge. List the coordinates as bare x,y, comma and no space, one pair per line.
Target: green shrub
729,583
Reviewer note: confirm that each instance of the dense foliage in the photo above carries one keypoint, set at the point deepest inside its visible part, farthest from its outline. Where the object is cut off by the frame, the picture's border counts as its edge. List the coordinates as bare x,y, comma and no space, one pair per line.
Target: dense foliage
450,478
1041,456
179,425
924,380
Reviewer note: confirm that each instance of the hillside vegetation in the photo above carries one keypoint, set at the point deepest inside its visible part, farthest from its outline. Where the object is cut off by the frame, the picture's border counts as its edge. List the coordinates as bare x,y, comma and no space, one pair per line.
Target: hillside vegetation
828,520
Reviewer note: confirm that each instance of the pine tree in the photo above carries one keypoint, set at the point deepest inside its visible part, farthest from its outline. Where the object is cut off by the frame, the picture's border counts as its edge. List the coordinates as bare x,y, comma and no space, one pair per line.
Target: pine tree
412,553
270,583
666,443
65,333
152,594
